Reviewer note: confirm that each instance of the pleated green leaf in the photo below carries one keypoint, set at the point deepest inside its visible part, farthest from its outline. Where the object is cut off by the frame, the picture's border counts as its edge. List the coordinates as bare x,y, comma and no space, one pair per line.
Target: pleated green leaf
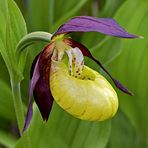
12,29
6,102
110,7
50,14
66,131
123,134
7,140
111,46
67,9
131,66
39,14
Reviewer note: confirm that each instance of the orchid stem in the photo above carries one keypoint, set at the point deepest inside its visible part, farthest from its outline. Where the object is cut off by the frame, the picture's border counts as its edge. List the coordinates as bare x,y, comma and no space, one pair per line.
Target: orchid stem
18,105
19,110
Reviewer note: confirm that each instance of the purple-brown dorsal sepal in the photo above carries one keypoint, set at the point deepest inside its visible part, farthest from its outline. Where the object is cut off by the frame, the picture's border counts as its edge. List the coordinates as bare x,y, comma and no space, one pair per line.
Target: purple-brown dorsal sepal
39,85
87,53
107,26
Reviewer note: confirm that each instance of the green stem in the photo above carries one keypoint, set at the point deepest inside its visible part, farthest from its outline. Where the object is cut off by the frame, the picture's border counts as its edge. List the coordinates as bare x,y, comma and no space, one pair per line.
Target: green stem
18,105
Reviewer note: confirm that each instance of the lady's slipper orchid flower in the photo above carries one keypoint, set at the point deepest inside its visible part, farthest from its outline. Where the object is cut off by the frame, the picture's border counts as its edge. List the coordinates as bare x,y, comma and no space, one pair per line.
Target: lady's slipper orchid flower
58,73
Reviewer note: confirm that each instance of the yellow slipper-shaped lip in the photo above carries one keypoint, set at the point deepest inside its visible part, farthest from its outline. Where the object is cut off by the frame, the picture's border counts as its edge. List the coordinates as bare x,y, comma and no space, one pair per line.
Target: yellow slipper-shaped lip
89,98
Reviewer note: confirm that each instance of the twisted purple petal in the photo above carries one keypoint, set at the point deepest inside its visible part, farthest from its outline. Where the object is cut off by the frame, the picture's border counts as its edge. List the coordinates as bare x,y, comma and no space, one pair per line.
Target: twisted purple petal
106,26
35,77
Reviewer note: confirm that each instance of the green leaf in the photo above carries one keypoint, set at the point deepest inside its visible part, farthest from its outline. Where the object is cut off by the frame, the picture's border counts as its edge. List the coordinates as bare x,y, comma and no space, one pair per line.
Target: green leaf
6,101
123,133
4,75
7,140
66,131
131,66
40,14
110,7
67,9
21,4
12,29
105,51
50,14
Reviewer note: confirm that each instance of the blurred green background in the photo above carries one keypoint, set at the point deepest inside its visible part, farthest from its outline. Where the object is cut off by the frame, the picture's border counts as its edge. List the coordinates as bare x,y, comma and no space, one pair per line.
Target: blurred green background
126,59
